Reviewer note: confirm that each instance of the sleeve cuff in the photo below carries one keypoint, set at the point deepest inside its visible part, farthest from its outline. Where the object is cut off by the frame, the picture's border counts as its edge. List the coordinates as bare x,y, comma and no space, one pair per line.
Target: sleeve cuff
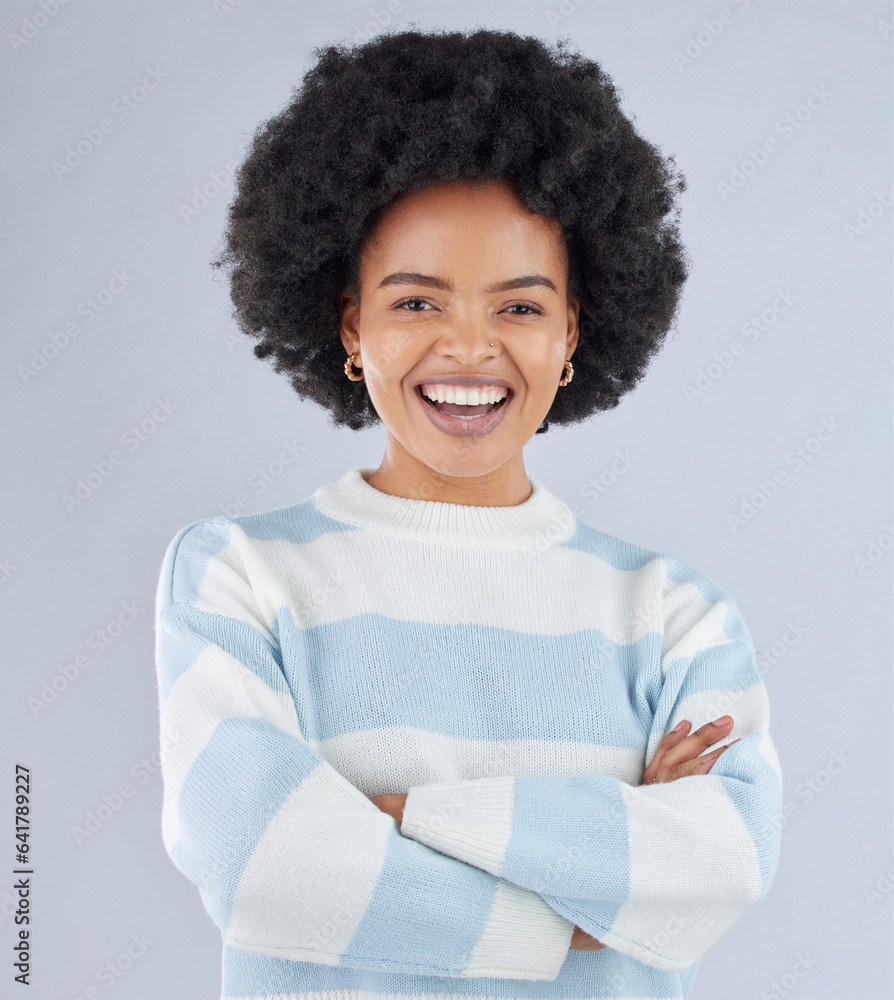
524,937
467,820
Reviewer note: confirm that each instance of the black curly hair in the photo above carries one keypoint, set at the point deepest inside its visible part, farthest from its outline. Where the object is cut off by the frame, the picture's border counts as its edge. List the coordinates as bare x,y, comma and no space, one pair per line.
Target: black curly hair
409,109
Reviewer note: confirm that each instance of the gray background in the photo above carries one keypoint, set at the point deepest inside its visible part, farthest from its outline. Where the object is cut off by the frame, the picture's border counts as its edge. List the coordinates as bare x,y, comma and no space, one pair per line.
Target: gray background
167,334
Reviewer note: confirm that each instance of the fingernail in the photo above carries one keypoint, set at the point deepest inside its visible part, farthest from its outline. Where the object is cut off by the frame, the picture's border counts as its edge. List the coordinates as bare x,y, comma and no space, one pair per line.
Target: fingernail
722,721
678,726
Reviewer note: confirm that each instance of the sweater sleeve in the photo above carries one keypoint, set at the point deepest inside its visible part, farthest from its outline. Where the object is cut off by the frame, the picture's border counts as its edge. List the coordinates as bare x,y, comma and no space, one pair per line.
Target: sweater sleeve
290,858
656,871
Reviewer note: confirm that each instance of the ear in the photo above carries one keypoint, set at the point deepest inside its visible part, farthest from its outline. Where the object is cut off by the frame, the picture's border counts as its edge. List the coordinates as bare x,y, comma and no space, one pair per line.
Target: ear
350,322
573,327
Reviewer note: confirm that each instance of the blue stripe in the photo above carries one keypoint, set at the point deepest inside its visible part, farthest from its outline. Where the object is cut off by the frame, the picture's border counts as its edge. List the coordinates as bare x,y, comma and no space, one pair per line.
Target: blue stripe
228,800
186,558
187,631
469,681
681,572
755,791
609,548
593,826
729,667
437,928
630,557
299,524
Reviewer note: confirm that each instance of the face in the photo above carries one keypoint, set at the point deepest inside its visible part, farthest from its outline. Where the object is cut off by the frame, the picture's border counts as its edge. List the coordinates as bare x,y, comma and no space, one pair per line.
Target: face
459,279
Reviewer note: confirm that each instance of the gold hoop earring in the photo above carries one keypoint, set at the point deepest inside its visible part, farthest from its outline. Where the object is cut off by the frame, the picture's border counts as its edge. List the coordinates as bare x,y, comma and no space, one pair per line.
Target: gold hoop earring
348,372
569,374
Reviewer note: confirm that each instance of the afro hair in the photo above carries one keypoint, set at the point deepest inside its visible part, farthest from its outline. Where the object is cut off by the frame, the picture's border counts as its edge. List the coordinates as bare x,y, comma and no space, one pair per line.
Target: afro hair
409,109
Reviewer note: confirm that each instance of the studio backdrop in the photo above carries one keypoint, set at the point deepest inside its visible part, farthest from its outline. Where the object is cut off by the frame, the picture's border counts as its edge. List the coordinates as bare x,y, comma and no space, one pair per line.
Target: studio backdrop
757,448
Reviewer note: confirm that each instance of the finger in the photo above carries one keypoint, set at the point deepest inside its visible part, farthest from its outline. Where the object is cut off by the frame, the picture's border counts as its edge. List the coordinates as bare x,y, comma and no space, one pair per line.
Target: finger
672,739
700,765
697,765
703,737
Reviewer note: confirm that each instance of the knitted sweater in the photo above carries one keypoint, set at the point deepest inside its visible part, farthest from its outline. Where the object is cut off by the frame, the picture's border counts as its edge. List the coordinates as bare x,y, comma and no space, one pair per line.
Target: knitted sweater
510,668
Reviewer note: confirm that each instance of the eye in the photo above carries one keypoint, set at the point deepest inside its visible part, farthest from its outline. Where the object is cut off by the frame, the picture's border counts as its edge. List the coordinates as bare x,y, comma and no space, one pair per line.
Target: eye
413,298
532,310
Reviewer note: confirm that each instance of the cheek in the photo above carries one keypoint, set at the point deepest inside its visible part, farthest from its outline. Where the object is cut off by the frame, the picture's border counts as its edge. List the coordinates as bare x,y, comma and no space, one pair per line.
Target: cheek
391,351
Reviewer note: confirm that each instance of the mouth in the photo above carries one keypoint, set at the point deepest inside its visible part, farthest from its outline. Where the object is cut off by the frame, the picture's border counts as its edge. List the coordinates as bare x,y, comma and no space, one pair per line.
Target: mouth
465,421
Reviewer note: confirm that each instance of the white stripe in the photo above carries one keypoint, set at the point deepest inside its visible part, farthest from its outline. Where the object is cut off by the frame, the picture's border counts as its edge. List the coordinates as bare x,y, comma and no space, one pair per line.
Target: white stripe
682,896
217,686
417,757
236,583
312,874
749,708
331,579
768,751
505,937
470,821
691,623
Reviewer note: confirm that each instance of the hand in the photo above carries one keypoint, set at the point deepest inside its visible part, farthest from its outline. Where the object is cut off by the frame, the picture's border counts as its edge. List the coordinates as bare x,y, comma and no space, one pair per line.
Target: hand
676,757
391,804
677,754
582,941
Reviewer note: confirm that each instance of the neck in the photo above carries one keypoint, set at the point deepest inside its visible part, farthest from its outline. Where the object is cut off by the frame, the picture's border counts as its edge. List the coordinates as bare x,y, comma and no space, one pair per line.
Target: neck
403,475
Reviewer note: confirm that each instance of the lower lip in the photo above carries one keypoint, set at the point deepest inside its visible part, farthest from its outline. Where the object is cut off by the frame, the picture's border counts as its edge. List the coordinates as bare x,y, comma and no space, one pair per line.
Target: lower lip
465,426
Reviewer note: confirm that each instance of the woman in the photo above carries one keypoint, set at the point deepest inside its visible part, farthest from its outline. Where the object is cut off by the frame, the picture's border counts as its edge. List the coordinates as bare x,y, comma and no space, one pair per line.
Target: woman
413,712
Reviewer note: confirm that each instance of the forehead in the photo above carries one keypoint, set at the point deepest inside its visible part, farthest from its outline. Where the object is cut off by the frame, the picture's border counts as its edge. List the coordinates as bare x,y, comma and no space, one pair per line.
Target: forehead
473,221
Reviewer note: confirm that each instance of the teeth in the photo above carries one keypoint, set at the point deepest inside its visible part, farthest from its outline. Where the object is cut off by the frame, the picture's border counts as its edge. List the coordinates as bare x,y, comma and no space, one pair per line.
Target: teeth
465,397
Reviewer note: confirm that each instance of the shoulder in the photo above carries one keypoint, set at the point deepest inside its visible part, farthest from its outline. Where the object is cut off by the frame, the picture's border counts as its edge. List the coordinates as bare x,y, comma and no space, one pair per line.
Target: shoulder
187,555
669,591
228,547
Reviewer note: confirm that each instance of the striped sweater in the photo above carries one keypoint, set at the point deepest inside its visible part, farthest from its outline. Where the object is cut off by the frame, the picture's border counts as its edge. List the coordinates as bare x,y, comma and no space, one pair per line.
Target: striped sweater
512,670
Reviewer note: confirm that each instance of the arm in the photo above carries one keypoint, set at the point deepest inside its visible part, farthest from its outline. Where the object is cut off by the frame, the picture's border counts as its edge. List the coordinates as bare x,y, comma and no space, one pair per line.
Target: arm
291,859
656,871
393,805
677,756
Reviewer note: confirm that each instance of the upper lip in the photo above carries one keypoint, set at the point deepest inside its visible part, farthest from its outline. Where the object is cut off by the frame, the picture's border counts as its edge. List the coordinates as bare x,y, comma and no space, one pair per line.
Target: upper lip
464,380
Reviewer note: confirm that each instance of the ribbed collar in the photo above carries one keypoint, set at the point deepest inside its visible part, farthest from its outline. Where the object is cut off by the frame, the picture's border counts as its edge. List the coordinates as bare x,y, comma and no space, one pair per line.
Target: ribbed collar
537,523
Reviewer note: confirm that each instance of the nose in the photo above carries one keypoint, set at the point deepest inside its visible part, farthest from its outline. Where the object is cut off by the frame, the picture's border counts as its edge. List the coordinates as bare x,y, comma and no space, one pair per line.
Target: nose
468,342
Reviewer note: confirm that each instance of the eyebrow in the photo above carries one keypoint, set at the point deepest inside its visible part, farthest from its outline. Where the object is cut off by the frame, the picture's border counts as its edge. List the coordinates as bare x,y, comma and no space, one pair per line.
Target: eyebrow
415,278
